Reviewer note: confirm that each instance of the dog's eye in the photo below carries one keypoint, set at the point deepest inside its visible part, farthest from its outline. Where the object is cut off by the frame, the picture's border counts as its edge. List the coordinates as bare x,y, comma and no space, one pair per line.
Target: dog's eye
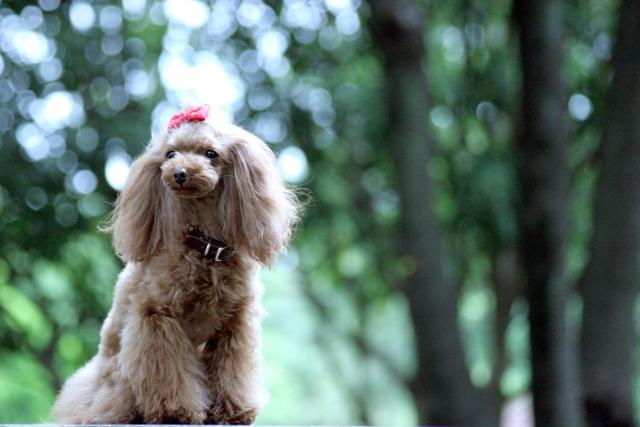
211,154
171,154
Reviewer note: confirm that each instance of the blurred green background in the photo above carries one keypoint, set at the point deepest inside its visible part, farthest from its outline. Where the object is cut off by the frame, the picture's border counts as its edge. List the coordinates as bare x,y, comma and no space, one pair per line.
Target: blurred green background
84,84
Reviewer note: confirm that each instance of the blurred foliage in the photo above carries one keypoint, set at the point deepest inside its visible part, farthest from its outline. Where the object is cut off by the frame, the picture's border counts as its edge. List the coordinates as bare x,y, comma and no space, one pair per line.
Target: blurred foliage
81,84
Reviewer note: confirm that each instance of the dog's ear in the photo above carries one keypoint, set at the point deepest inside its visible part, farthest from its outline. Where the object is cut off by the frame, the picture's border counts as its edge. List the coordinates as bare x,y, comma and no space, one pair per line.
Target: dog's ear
257,210
141,217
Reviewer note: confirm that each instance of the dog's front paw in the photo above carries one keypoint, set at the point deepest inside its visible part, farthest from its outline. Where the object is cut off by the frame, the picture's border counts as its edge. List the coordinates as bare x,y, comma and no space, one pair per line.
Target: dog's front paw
228,413
178,416
182,416
172,411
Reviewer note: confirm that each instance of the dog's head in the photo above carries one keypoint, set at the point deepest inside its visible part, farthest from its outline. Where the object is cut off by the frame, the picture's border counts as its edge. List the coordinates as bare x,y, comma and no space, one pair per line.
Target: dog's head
231,169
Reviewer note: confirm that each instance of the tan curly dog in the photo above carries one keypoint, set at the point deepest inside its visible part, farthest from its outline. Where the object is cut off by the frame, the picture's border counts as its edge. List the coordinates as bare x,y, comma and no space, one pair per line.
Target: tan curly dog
201,209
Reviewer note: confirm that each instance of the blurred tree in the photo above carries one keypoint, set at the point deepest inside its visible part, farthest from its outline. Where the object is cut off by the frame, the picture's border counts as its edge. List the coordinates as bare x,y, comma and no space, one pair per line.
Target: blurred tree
442,388
610,280
543,211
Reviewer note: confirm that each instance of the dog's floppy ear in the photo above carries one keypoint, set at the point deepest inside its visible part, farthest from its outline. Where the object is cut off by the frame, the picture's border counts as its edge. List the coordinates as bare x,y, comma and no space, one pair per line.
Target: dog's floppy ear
257,210
141,216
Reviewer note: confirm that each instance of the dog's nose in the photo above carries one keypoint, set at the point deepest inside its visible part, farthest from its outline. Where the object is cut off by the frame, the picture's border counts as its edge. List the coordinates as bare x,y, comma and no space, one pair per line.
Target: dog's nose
180,175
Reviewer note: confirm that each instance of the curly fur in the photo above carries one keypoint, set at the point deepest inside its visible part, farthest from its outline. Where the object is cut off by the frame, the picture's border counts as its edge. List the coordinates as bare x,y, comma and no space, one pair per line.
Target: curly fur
181,342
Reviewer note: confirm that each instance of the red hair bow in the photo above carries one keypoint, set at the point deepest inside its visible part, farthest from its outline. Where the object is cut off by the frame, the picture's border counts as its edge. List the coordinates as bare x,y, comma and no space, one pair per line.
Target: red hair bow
195,114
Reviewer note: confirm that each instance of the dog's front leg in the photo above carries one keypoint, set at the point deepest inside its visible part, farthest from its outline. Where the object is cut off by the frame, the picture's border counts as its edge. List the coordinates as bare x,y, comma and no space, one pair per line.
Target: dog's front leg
232,361
162,367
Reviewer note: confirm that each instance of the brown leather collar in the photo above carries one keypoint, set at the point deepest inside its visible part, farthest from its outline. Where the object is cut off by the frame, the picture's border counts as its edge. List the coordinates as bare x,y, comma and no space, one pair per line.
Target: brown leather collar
206,246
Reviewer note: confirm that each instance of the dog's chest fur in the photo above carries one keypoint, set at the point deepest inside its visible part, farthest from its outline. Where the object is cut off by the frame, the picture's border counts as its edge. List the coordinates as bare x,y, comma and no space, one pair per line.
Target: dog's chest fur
201,294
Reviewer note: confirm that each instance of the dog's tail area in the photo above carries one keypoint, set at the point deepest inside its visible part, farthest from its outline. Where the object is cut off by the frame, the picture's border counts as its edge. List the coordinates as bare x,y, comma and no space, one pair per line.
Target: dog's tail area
77,394
93,395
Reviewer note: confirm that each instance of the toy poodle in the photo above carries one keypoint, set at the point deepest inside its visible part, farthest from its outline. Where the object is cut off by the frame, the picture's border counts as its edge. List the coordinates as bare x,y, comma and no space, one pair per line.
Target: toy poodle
201,209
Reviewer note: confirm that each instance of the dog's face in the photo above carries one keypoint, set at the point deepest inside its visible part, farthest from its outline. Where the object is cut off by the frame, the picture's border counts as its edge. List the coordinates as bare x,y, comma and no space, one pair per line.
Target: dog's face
254,209
194,160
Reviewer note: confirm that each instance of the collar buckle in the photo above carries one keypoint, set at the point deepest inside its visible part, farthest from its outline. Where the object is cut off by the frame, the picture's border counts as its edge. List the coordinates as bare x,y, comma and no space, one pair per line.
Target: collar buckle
218,252
206,246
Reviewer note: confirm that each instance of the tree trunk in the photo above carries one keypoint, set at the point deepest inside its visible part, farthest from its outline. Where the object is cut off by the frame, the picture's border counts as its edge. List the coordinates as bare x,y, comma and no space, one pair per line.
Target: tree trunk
443,391
611,276
544,179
